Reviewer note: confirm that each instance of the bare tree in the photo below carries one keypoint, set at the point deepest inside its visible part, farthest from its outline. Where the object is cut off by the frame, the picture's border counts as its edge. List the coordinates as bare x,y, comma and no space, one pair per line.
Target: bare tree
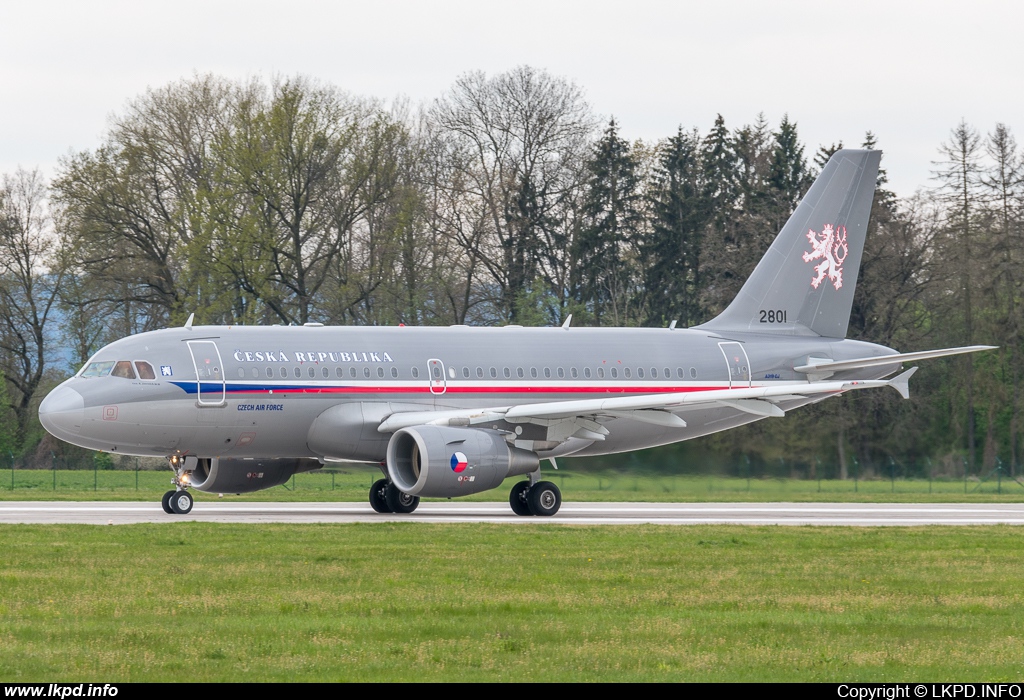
29,282
516,144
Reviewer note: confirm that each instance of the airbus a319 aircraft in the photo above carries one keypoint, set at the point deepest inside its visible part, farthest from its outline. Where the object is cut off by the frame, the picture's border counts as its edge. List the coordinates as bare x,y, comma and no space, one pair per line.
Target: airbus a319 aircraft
448,412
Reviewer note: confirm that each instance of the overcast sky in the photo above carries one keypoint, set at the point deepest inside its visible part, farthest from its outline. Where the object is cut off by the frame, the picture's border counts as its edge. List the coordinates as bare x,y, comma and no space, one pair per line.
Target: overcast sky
908,71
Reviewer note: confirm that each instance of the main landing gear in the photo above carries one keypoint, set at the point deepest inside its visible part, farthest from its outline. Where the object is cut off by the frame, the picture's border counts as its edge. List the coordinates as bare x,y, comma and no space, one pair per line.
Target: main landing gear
179,501
535,498
386,498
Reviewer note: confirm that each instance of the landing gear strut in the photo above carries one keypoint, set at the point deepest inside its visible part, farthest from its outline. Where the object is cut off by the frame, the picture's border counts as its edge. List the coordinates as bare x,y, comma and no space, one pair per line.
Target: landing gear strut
535,498
179,501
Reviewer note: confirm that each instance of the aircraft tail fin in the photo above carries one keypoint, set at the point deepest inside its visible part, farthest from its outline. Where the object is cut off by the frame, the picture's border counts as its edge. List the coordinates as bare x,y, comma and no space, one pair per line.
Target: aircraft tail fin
804,284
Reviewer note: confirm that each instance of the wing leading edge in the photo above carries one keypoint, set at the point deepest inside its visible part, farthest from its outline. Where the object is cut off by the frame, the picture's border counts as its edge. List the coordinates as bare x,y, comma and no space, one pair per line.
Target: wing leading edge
651,408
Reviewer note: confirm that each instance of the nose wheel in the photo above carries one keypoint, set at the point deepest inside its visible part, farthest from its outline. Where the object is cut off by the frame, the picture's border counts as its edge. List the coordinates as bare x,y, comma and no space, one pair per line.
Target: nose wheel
178,501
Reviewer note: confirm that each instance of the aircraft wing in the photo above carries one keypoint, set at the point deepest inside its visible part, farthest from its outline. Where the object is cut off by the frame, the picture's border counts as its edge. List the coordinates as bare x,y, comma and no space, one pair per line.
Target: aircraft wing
825,368
650,408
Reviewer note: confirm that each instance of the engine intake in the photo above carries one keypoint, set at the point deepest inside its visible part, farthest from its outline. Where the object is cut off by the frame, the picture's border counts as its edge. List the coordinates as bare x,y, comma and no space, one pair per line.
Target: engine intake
442,462
220,475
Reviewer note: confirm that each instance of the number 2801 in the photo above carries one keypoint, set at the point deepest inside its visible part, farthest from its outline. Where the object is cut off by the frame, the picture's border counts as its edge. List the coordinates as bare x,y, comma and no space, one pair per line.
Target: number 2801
773,316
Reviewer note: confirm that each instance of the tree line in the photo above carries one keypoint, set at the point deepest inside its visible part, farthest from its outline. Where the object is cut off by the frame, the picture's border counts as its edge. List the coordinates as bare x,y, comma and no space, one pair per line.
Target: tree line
504,200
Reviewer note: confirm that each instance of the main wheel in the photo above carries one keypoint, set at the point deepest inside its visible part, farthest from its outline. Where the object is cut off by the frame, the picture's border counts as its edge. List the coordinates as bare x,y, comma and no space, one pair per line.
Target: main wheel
399,501
544,498
378,496
517,498
181,502
165,501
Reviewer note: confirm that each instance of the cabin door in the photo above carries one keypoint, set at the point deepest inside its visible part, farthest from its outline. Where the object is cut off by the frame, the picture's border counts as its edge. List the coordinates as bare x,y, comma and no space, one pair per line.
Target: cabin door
737,363
435,375
209,372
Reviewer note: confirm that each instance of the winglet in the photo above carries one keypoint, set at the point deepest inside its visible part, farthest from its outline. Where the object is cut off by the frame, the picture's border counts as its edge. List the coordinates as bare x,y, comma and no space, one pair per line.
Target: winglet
188,323
901,383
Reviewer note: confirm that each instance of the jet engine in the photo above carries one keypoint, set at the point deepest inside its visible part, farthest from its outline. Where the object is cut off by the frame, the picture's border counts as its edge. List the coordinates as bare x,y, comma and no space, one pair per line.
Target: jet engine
220,475
441,462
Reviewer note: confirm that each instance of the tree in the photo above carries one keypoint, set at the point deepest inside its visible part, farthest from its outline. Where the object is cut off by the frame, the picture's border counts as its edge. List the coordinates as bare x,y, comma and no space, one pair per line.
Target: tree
515,143
604,257
959,191
672,251
29,283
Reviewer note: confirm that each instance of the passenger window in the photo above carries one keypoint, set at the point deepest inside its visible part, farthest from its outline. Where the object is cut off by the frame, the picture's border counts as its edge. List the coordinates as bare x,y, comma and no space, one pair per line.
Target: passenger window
533,372
124,370
519,372
394,373
561,373
615,373
241,373
366,372
640,372
352,372
465,372
600,372
668,373
415,373
693,373
654,372
380,372
494,373
297,373
284,373
574,372
145,370
627,372
255,372
679,372
270,373
311,372
547,373
508,373
586,372
325,372
339,372
479,372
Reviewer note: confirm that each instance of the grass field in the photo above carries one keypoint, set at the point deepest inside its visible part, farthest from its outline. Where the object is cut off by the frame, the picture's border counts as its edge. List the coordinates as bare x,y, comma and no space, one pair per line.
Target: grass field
353,485
410,601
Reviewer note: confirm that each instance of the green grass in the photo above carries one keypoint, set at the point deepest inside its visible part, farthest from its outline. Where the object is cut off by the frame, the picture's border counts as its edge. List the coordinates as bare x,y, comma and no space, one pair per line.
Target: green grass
353,485
410,601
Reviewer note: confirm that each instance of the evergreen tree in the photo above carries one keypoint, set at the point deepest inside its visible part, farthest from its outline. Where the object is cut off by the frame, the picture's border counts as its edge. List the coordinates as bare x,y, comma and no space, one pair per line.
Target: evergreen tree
612,211
672,251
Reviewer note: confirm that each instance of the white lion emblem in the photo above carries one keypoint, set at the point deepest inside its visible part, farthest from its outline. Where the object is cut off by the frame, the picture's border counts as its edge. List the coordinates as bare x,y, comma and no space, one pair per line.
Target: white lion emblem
827,246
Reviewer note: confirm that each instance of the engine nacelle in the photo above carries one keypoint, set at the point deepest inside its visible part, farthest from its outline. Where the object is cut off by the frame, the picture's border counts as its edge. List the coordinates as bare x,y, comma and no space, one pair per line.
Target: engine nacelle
438,462
221,475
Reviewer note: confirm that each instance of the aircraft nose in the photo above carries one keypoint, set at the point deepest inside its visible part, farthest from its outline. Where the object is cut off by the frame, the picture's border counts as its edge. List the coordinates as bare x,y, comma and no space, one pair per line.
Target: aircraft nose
62,411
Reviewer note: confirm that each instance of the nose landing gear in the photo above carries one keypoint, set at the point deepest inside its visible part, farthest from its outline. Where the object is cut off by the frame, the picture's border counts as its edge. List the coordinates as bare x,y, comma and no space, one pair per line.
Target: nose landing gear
179,501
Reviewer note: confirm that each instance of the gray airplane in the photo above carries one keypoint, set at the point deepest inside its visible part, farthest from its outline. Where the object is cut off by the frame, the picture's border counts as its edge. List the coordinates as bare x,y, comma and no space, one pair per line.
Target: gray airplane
453,411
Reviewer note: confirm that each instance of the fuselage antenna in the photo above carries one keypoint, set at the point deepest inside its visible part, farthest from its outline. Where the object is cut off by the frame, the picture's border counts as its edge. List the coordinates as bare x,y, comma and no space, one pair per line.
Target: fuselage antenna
188,323
568,320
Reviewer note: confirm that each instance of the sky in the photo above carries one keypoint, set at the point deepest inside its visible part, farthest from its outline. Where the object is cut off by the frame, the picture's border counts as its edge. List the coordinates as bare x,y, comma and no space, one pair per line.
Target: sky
907,71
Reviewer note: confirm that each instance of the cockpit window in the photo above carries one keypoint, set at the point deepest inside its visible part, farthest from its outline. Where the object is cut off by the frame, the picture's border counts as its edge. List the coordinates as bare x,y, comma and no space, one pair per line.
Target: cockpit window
123,369
145,370
96,369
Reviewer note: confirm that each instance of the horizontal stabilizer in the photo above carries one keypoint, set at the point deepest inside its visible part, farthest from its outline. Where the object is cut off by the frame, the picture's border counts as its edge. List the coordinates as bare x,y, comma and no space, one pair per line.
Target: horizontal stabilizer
825,367
902,382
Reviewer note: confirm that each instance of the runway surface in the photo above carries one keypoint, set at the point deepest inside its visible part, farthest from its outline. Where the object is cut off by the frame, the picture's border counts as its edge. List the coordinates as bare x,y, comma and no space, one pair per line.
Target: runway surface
862,514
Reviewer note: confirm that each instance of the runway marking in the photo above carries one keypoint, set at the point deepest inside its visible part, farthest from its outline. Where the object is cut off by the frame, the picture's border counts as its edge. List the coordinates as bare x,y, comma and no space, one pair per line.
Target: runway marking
847,514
